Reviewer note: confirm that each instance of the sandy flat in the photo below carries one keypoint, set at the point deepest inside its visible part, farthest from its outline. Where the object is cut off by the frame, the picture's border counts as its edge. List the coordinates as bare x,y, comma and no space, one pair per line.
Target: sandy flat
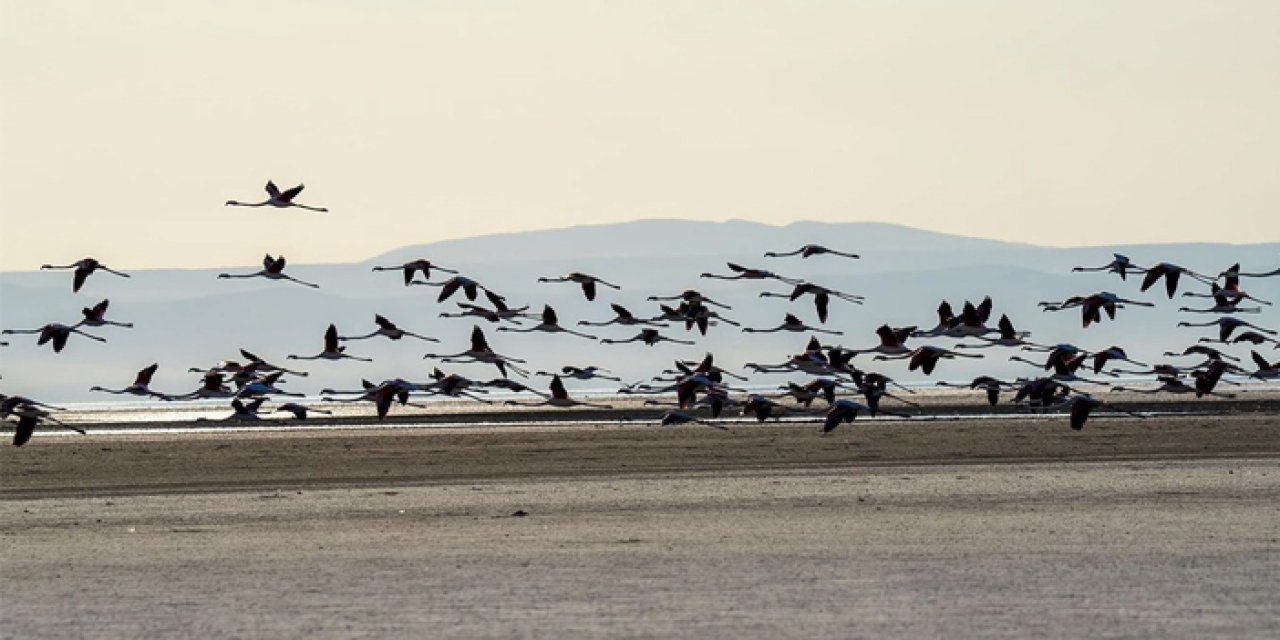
1016,528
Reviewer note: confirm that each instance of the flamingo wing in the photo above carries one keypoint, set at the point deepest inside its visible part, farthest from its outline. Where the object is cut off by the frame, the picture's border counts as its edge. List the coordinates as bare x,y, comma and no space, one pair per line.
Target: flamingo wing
272,190
384,323
557,389
331,338
289,195
144,376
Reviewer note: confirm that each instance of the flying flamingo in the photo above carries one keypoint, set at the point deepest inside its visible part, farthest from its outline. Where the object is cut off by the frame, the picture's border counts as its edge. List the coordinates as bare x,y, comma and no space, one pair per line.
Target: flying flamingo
469,287
845,410
1120,265
83,269
582,373
549,324
746,273
792,323
559,398
691,296
649,336
263,365
810,250
926,358
622,317
892,341
139,386
992,386
1170,273
821,296
1199,349
421,264
588,283
278,198
57,333
1009,337
481,352
1082,405
331,349
300,411
1172,385
213,385
1266,370
29,415
1226,326
499,312
272,269
390,330
96,316
1223,302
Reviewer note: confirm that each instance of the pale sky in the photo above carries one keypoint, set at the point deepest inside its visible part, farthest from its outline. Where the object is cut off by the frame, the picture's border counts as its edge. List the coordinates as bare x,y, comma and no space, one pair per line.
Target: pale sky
124,126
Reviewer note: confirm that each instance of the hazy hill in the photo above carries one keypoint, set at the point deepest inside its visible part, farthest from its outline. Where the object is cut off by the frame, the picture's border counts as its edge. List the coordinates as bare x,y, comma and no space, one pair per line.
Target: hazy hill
189,318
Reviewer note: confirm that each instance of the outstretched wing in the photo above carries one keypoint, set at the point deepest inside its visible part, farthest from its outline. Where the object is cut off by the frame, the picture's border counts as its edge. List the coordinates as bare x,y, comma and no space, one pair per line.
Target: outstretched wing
384,323
273,190
289,195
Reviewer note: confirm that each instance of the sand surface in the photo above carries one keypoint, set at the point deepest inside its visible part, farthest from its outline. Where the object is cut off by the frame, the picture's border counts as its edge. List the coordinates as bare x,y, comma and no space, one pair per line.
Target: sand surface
1164,527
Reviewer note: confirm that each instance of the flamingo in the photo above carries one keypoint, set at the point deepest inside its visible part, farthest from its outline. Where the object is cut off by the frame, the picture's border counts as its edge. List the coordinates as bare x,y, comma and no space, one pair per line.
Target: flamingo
1009,337
53,332
265,386
1172,385
1101,358
95,316
821,296
481,352
11,404
559,398
272,269
83,269
1223,302
139,386
381,395
845,410
1170,273
213,385
277,198
1251,337
1119,264
622,317
992,387
29,416
582,373
892,341
421,264
1266,370
1083,404
649,336
550,324
390,330
1042,392
810,250
331,349
691,296
696,313
792,323
499,312
1227,326
300,411
1199,349
679,417
760,406
1261,274
745,273
926,358
469,287
588,283
264,366
1064,367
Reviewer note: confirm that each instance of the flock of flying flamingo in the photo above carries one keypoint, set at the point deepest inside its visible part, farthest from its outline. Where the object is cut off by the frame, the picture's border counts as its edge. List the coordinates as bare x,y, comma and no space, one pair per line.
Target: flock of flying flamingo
699,385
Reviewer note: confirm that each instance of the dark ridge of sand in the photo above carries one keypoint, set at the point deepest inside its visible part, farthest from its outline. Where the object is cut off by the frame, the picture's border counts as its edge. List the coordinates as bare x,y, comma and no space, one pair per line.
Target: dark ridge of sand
101,465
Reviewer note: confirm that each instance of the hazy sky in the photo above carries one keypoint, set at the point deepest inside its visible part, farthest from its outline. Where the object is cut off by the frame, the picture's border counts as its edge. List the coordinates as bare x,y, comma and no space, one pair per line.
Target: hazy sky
124,126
